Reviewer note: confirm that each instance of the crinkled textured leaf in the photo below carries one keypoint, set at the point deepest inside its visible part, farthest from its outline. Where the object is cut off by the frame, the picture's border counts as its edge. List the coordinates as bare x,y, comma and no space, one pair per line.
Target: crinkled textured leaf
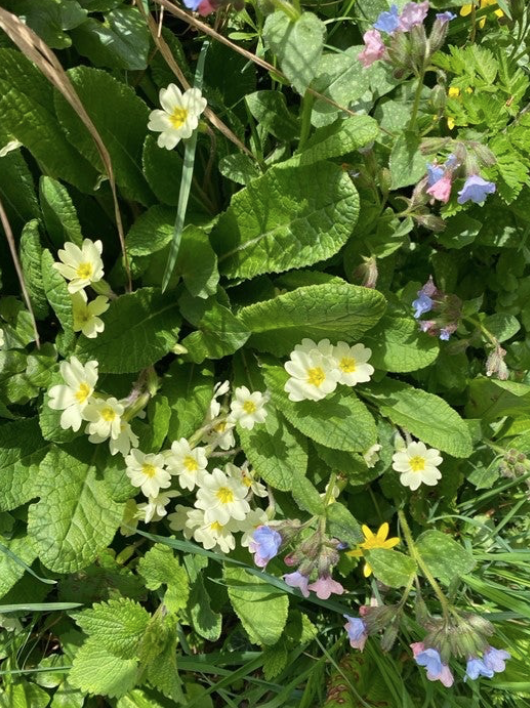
160,567
121,119
189,389
445,557
206,622
27,114
336,140
263,613
275,450
328,422
60,216
30,258
306,495
95,670
121,42
298,45
491,398
151,231
289,218
140,328
342,524
17,190
21,450
11,571
426,416
117,625
398,345
334,310
56,291
218,334
75,518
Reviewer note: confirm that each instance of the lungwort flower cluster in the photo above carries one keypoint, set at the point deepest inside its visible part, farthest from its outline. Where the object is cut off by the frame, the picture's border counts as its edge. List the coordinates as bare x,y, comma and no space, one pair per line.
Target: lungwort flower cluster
82,267
316,369
447,307
400,39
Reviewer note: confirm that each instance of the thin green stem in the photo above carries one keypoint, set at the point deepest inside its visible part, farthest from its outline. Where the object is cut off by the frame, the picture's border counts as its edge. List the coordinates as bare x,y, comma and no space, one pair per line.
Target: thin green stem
446,609
483,329
307,108
417,98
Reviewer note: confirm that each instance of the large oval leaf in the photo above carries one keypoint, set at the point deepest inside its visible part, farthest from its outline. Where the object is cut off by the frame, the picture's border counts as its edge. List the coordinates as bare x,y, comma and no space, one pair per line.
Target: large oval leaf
423,414
338,311
140,328
340,421
288,218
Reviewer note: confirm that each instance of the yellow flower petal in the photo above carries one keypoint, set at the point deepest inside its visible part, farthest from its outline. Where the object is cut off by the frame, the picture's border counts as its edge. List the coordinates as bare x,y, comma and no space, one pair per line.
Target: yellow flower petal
367,570
367,533
466,10
383,532
356,553
391,542
450,123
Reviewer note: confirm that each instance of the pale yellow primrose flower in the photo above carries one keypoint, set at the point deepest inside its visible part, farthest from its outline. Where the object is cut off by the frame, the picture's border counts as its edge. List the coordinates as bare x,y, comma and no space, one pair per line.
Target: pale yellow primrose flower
147,472
104,416
179,117
186,462
86,318
418,464
125,440
222,498
312,370
213,534
248,408
155,508
351,363
81,266
74,395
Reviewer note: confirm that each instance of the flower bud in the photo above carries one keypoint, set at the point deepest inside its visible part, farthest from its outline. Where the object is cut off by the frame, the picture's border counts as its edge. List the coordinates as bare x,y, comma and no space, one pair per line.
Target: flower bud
438,35
367,273
495,365
438,98
399,52
390,635
419,46
431,222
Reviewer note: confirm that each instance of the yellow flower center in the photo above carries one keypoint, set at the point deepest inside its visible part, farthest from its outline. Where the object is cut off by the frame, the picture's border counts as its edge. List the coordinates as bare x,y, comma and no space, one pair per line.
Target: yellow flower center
417,464
225,495
190,463
178,117
316,376
83,392
247,481
149,470
347,364
108,414
220,428
249,407
84,270
216,526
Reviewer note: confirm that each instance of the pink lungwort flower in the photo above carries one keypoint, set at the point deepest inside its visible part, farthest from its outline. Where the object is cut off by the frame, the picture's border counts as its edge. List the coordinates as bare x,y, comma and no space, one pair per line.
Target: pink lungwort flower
374,48
325,586
357,634
413,14
297,580
432,661
441,189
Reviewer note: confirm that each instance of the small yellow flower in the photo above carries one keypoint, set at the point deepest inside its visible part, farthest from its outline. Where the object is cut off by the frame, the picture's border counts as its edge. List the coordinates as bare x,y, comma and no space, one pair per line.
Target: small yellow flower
371,542
467,9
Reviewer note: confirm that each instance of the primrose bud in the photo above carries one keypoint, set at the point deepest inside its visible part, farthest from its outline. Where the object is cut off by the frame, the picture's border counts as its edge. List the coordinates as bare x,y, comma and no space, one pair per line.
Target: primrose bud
367,273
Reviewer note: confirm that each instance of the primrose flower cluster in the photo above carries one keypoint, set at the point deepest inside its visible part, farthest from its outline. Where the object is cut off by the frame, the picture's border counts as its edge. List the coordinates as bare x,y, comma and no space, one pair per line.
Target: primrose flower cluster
221,506
315,370
467,638
406,46
82,267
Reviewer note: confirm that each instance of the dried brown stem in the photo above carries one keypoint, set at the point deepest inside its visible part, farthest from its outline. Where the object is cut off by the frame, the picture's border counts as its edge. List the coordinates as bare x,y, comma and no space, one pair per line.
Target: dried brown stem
20,275
37,51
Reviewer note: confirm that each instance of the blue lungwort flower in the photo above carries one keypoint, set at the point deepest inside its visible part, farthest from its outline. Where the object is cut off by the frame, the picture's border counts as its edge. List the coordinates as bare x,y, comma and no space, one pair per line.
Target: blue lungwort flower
388,21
